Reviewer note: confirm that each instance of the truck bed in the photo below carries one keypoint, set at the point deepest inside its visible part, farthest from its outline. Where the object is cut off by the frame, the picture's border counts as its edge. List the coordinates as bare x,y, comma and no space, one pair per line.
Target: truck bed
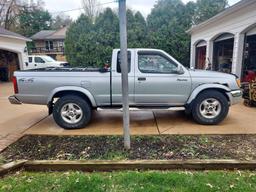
36,86
67,69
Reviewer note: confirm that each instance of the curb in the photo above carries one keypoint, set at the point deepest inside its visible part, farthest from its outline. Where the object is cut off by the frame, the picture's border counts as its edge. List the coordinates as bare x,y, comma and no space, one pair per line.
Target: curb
101,165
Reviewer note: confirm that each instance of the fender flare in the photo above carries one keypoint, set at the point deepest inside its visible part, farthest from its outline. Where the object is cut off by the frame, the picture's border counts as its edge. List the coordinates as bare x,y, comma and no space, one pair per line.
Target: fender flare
203,87
73,88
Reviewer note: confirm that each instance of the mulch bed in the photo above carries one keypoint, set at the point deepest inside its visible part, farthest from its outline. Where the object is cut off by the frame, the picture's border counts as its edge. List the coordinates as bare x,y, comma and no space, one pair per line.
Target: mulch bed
241,147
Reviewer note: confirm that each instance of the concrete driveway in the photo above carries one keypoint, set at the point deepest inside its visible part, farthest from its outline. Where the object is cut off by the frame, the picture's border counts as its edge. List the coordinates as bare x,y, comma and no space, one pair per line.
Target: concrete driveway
241,120
17,120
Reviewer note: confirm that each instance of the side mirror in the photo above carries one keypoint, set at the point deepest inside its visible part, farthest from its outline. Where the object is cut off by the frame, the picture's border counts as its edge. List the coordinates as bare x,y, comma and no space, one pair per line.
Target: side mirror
179,70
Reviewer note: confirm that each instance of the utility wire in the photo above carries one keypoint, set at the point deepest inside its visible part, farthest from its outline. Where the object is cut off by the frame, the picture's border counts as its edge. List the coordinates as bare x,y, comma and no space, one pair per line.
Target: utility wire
80,8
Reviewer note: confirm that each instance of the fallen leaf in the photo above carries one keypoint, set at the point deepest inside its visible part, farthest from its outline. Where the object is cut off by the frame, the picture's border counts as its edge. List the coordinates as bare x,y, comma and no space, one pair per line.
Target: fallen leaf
209,185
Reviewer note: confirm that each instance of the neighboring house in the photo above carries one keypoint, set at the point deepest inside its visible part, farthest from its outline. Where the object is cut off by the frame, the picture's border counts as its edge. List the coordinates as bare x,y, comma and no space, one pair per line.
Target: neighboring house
227,41
50,42
13,53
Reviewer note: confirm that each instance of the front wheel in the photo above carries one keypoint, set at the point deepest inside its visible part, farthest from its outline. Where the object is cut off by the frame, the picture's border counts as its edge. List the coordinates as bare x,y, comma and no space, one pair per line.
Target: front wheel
210,108
72,112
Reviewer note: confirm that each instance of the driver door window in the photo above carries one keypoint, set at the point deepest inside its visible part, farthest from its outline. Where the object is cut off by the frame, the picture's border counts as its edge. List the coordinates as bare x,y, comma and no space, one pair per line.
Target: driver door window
157,81
39,60
155,63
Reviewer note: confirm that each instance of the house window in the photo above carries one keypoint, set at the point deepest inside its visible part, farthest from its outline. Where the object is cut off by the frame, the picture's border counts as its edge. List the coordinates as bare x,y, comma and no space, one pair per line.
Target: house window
48,45
60,43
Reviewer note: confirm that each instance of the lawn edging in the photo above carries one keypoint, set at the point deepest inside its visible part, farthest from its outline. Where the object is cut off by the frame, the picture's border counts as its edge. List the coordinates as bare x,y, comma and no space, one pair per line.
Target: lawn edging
111,165
12,166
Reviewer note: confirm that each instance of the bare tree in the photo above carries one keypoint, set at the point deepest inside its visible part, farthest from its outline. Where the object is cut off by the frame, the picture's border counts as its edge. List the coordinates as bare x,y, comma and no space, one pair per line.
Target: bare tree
60,21
10,10
91,9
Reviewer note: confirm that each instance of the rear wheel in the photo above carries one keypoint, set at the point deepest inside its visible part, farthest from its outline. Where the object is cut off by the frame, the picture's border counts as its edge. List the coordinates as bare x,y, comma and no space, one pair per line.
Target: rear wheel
72,112
210,108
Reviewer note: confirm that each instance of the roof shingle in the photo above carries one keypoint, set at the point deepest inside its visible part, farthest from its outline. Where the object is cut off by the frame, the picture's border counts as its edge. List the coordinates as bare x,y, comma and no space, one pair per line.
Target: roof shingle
42,34
4,32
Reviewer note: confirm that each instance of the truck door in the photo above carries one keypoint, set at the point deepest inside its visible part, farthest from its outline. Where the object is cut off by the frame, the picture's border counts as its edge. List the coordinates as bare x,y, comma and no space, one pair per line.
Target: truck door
116,77
157,81
28,65
39,63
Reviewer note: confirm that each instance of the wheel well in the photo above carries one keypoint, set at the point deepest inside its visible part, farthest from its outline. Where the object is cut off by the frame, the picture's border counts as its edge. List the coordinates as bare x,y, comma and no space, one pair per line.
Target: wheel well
216,89
77,93
189,106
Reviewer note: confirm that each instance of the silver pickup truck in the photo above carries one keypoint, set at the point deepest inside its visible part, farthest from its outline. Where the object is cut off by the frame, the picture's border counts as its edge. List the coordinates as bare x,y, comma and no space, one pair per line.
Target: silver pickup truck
156,80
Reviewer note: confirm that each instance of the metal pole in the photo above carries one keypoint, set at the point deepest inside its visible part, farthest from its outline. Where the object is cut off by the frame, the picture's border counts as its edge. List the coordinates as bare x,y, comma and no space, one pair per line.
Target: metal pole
124,71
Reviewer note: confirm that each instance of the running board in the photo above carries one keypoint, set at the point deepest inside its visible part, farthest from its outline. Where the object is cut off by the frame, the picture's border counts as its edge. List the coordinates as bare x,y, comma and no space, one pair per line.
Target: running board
143,108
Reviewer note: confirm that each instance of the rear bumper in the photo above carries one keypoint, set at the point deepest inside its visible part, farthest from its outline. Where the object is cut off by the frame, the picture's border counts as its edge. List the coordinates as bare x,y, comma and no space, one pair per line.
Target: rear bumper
14,100
235,96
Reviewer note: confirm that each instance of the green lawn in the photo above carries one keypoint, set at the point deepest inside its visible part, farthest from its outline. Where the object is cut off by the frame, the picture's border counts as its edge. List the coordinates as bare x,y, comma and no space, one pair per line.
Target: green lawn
131,181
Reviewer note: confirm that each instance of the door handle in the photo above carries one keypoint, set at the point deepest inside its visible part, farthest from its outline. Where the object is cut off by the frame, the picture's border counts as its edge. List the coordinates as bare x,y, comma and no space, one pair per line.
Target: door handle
141,78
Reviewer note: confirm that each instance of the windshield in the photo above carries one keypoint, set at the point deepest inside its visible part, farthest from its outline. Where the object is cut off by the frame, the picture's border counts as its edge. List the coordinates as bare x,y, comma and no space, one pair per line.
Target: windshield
48,59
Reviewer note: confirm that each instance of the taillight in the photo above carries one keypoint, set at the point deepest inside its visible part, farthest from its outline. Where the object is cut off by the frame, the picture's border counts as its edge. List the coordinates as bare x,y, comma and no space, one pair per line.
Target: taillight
15,85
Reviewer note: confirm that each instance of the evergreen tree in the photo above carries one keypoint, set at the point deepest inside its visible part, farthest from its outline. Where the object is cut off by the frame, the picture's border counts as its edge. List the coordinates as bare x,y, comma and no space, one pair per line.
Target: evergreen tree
206,9
136,30
33,20
79,42
107,30
167,29
90,43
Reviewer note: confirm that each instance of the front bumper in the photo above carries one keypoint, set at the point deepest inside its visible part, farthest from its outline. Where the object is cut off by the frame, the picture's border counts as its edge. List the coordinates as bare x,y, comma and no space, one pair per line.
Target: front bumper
235,96
14,100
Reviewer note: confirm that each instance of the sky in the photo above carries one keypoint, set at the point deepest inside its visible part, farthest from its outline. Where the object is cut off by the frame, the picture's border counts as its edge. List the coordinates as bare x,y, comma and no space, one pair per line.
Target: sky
144,6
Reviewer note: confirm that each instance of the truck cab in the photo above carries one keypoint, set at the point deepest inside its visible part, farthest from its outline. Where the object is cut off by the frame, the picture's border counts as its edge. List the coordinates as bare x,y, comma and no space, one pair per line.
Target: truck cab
43,61
155,79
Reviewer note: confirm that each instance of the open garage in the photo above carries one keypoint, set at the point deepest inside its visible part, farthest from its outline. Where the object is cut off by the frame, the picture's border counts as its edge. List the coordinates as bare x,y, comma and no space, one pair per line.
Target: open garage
223,52
249,62
13,53
227,41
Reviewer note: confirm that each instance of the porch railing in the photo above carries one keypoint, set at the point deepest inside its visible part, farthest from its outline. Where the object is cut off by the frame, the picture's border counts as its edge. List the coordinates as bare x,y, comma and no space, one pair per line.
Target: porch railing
47,50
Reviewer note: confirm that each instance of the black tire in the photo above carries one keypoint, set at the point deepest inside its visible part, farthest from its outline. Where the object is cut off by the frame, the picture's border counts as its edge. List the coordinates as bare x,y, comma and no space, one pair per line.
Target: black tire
188,110
199,118
79,101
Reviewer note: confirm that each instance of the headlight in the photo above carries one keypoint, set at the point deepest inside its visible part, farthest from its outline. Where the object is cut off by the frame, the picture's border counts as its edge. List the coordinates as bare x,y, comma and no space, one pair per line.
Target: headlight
238,82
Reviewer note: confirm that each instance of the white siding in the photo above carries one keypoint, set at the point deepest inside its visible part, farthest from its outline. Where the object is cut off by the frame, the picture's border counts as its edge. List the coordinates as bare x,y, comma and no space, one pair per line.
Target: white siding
15,45
235,23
